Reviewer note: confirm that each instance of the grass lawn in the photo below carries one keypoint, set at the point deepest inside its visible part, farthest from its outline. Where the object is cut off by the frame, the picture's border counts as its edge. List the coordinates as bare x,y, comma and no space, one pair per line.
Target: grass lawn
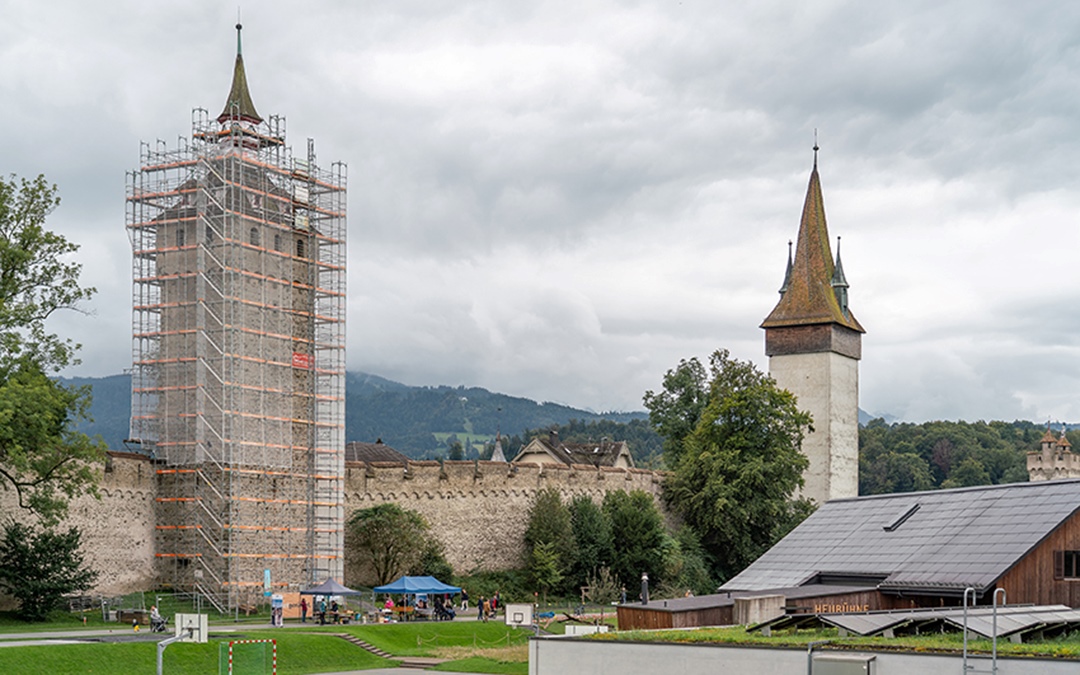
472,647
423,638
298,654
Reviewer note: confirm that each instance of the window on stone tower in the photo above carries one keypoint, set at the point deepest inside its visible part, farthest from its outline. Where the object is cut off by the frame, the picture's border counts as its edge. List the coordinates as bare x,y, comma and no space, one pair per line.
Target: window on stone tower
253,236
180,236
277,242
300,252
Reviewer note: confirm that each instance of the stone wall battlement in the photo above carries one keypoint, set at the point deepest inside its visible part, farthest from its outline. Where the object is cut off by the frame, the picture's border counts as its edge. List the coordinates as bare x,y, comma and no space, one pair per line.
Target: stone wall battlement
478,510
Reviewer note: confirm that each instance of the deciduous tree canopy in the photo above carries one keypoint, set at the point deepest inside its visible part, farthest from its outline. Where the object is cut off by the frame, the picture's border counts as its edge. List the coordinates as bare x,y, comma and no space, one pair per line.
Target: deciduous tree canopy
39,568
737,442
386,541
41,457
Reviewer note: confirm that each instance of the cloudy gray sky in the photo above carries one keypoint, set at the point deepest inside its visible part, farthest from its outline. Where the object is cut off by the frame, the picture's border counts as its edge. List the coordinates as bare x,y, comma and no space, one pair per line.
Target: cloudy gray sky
560,200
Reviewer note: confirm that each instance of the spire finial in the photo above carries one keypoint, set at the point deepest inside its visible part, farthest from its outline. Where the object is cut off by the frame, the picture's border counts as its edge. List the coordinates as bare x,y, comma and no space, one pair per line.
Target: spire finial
815,147
239,27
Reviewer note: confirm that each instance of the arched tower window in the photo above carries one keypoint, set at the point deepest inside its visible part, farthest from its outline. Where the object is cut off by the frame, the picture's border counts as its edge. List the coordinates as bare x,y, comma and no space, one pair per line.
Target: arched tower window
301,251
181,235
277,242
253,236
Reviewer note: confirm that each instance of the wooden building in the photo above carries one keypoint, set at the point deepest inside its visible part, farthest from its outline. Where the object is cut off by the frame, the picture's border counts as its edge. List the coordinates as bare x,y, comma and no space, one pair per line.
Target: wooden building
902,551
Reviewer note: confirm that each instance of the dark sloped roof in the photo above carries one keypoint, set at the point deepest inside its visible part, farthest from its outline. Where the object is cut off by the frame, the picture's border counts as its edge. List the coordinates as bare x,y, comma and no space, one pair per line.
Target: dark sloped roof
355,451
952,540
808,297
599,453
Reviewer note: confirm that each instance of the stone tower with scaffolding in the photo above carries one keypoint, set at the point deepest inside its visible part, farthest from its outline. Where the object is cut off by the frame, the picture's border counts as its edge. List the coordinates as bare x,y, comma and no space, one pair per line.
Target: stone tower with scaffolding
238,378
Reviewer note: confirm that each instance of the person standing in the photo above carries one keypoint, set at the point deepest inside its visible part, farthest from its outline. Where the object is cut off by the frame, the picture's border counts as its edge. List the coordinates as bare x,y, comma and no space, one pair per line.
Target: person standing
322,611
303,610
464,600
480,602
485,610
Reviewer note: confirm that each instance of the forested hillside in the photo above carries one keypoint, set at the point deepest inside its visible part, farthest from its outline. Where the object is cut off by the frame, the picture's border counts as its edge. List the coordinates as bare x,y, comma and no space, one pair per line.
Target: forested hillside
908,457
416,420
426,421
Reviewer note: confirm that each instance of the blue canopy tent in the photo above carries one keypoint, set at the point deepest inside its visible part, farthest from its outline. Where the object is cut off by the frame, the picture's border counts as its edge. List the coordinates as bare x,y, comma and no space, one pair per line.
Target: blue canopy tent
414,585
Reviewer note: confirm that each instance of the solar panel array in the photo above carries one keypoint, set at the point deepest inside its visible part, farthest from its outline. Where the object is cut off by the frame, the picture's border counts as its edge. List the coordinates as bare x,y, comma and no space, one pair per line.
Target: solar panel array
1015,622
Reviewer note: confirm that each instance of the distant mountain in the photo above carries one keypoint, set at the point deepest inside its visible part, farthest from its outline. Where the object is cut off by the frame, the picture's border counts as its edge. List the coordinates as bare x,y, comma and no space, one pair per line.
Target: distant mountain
865,417
415,420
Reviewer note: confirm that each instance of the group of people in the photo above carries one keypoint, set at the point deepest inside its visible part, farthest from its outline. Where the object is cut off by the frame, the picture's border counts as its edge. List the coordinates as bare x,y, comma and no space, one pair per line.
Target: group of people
487,608
319,610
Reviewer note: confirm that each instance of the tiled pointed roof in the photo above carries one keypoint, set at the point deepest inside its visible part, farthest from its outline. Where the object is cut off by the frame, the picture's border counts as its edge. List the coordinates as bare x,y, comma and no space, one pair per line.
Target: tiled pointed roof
239,105
808,296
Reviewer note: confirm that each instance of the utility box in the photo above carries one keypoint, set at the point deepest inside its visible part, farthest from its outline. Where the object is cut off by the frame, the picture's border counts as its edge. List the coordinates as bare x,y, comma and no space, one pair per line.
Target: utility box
844,664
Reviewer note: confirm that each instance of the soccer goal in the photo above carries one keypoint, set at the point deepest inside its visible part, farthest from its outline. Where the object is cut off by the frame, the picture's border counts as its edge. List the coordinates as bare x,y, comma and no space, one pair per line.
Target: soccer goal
247,657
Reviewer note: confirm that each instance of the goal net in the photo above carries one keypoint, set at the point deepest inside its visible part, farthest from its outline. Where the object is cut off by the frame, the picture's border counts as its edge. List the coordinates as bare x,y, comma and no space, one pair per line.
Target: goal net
247,657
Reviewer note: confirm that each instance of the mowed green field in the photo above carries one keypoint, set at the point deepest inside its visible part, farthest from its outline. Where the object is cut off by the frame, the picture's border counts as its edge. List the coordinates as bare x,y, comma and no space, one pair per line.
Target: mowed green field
314,650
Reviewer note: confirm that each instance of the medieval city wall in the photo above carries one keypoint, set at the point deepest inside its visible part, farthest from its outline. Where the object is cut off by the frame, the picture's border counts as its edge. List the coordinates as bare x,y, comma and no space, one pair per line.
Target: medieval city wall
479,510
117,529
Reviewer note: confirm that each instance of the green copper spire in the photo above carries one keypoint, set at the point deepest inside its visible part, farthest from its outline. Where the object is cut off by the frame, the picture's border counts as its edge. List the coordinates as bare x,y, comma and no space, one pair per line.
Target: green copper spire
239,105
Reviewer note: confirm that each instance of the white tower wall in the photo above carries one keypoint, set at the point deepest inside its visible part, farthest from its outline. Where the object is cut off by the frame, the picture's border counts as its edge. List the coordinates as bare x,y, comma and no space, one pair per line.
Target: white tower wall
827,386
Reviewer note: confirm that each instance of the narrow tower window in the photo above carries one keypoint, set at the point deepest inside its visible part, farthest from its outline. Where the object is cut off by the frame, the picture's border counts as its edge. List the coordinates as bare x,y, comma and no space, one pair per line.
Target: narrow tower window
180,236
253,236
300,252
277,242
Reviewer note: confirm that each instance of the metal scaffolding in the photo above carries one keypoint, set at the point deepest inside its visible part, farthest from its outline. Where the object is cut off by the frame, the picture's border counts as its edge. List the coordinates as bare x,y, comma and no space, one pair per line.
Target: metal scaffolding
238,384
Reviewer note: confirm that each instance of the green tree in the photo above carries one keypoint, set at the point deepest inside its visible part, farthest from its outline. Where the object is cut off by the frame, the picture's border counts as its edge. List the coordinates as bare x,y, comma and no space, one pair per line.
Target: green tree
432,562
38,568
638,536
456,451
545,567
385,541
738,469
968,473
686,566
675,411
549,523
592,538
41,457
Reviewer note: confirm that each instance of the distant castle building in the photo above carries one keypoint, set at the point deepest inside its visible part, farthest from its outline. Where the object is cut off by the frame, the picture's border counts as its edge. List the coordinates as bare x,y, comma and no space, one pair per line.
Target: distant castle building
1054,459
238,383
814,344
604,453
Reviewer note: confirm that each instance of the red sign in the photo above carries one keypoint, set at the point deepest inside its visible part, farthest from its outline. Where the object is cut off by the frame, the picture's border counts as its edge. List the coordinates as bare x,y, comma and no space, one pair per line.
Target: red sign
301,360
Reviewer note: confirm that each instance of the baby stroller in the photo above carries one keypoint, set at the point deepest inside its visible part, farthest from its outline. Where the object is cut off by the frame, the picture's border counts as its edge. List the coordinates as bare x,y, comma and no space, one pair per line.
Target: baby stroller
158,623
444,612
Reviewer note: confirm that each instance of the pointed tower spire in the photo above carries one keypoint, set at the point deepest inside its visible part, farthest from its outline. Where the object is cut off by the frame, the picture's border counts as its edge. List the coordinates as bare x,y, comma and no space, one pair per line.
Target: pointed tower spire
809,297
239,105
497,454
